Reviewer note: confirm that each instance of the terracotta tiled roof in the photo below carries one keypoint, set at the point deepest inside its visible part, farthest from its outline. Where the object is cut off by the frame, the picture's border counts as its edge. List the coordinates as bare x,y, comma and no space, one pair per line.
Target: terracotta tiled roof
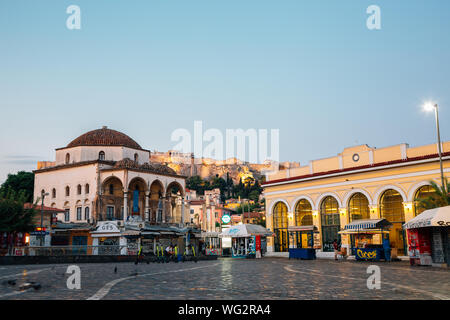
152,167
104,137
38,208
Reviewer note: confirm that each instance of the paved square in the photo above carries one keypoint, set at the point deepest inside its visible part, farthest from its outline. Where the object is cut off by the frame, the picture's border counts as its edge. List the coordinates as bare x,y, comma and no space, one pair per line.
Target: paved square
229,279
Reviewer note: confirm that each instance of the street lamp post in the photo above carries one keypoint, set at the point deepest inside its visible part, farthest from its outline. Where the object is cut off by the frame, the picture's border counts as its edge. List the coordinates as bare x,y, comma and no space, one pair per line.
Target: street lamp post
42,216
430,107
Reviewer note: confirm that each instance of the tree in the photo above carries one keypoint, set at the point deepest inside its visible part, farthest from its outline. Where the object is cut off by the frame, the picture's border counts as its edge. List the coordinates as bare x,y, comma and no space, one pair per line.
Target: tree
22,181
254,195
441,197
13,216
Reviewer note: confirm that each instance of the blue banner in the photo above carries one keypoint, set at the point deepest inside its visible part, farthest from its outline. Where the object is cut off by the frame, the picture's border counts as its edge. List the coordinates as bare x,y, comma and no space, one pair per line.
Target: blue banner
135,201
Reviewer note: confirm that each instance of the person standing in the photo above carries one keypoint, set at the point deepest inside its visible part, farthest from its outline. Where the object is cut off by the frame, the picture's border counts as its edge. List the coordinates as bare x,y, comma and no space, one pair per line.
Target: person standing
336,249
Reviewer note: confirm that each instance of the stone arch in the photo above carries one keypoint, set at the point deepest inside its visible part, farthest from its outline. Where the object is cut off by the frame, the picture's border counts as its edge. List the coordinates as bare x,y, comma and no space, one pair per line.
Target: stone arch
352,192
414,188
177,185
157,203
382,189
157,183
110,179
274,202
140,182
301,218
324,195
304,197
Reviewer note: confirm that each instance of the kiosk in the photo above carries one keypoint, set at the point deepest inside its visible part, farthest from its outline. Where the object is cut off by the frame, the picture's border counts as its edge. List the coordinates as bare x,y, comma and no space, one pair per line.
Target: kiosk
212,243
369,239
247,240
429,238
301,242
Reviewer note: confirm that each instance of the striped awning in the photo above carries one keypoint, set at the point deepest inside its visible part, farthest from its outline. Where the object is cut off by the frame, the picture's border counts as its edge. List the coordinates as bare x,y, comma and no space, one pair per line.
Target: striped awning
369,224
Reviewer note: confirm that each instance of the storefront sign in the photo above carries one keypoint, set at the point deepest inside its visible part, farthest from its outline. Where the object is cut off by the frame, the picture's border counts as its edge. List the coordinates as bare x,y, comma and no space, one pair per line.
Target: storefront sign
107,227
226,219
366,254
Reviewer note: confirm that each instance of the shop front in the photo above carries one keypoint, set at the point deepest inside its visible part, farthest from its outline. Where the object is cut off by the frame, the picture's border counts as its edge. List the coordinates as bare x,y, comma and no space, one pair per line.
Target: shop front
429,238
212,243
107,239
368,239
247,240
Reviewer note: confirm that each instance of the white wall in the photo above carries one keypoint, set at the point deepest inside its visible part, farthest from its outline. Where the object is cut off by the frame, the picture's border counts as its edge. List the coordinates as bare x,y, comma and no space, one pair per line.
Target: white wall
90,153
72,177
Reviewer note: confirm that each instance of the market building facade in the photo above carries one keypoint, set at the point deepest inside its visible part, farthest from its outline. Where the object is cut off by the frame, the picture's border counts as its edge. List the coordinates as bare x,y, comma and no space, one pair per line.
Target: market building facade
361,183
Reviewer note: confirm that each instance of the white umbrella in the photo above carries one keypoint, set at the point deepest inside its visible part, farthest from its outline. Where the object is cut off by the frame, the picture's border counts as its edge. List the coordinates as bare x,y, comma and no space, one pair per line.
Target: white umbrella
439,217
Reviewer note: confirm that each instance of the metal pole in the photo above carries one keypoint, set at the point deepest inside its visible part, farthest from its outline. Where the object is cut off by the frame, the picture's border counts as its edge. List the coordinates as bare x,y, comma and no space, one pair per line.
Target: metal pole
439,147
42,218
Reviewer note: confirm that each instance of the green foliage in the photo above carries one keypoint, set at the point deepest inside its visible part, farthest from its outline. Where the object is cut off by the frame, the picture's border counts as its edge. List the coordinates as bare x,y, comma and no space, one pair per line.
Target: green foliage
440,198
13,216
22,181
227,188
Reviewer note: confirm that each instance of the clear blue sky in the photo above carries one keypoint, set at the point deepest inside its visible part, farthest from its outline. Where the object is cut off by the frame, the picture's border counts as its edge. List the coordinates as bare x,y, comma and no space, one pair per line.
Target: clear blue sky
309,68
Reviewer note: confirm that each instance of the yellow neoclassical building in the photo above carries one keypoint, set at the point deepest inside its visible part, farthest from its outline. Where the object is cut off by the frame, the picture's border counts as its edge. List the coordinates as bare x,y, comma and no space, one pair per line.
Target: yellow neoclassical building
359,183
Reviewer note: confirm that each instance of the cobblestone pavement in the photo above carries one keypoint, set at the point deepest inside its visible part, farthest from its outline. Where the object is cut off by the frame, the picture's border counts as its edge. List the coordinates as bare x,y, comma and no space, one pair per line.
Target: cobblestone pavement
229,279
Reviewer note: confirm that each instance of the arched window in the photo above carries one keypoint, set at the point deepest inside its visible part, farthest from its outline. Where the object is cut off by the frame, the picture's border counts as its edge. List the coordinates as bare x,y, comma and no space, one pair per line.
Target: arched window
391,209
67,158
280,225
79,189
67,191
391,206
53,193
358,207
329,212
303,213
111,189
86,213
426,193
101,155
136,157
86,188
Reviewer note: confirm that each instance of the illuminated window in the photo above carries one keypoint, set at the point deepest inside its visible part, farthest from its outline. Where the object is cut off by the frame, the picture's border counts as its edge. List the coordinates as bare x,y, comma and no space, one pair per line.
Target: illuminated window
423,193
391,206
391,209
280,217
280,224
329,211
358,207
303,213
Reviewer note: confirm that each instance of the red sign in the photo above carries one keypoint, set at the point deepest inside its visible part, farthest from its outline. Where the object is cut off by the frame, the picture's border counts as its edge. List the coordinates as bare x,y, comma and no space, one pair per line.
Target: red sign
258,243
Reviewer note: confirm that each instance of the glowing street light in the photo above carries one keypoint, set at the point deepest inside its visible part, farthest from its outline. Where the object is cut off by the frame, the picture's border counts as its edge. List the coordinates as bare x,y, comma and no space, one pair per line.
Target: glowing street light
430,106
